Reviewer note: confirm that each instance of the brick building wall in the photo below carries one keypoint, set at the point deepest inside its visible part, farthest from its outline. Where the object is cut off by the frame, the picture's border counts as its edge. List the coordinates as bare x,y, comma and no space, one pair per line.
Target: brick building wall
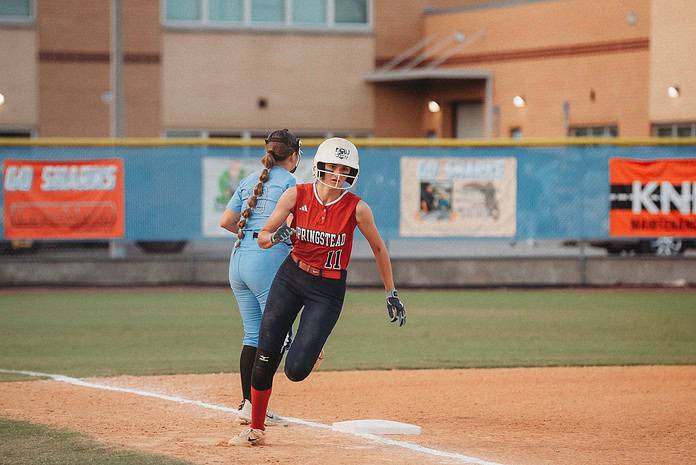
18,50
592,54
672,61
75,73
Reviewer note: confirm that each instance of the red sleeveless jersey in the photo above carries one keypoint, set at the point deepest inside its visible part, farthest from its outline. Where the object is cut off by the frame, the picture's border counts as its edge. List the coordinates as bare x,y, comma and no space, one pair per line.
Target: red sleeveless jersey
323,233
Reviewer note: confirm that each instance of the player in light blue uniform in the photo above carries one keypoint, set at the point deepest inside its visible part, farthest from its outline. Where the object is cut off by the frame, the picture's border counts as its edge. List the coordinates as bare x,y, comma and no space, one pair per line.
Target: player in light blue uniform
252,269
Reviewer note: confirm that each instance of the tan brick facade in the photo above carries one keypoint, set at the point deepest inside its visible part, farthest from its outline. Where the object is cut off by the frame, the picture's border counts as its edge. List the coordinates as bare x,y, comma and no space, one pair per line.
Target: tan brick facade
18,78
74,68
398,24
672,60
215,79
142,69
549,52
577,63
397,109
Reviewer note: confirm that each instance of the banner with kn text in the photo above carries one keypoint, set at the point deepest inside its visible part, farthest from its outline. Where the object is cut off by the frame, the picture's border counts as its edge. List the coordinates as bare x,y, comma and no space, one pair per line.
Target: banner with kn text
77,199
652,198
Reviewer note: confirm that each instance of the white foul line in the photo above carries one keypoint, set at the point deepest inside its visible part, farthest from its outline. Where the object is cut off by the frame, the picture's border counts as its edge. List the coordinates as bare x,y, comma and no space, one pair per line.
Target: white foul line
222,408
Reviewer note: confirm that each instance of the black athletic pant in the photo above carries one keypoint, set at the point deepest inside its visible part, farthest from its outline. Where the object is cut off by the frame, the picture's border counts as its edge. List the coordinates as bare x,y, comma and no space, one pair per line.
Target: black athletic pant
292,289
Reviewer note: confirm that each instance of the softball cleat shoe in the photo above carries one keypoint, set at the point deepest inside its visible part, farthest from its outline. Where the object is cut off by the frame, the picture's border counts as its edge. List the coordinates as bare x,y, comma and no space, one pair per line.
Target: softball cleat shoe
244,415
248,437
272,419
244,412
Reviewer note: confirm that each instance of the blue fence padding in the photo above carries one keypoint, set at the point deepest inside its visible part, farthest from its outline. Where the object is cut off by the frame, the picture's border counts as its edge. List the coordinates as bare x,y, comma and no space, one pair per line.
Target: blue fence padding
562,192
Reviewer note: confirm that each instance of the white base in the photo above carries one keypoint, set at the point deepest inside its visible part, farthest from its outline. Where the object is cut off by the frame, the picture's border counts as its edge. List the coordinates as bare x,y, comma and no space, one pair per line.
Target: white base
376,427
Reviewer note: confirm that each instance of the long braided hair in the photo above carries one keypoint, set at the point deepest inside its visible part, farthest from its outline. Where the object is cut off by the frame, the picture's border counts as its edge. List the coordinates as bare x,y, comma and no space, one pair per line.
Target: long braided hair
280,145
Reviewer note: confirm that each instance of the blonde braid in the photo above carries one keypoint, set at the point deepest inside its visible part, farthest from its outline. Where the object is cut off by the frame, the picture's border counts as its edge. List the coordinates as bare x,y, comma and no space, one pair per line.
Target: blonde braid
268,162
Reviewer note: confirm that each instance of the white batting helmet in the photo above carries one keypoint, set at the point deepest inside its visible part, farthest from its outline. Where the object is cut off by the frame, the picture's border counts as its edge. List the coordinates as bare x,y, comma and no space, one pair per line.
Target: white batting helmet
339,152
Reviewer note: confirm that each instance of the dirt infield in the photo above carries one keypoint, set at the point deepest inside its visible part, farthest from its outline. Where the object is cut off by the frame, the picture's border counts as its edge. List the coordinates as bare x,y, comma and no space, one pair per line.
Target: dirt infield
572,416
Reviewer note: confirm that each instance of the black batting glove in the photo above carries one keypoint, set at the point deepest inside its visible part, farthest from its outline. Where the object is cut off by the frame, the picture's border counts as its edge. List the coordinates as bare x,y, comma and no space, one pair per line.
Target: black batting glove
395,309
282,234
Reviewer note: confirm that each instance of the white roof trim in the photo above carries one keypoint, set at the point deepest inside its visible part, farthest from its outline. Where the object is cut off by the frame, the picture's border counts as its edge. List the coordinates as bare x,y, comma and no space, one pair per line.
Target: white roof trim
416,74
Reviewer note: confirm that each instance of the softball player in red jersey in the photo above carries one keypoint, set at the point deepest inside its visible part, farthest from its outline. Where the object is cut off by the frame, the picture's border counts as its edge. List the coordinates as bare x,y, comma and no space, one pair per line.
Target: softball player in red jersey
252,269
325,215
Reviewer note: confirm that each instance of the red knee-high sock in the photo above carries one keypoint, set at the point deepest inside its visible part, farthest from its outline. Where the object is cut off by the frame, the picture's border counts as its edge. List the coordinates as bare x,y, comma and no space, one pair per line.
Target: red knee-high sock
259,405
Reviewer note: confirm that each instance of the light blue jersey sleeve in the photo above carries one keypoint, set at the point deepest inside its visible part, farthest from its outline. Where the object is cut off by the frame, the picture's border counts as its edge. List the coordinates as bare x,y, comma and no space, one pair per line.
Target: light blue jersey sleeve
292,182
278,182
235,203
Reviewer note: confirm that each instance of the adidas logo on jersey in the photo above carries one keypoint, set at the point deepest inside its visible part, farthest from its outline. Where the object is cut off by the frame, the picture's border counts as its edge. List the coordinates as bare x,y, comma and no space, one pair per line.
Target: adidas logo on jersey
304,208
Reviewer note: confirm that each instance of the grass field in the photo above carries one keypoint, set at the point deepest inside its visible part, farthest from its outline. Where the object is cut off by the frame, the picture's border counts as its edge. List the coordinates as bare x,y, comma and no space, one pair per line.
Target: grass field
23,443
154,331
111,332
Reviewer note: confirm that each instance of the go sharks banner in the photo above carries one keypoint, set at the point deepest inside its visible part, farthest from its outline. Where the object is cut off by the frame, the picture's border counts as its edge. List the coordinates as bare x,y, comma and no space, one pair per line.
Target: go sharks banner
73,199
445,197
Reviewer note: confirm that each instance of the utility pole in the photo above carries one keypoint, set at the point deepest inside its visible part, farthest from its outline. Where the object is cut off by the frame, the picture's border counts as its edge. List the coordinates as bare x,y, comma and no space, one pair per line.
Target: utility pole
116,69
117,248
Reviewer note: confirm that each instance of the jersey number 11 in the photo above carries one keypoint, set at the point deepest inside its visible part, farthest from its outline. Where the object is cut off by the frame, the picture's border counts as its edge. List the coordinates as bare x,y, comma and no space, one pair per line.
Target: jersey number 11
333,261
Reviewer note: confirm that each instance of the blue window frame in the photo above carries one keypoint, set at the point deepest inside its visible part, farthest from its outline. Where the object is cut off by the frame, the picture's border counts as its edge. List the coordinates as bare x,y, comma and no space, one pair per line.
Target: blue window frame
352,15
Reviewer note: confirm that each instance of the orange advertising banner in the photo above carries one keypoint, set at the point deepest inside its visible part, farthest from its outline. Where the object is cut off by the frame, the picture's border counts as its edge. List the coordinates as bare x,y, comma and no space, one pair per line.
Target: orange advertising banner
652,198
63,199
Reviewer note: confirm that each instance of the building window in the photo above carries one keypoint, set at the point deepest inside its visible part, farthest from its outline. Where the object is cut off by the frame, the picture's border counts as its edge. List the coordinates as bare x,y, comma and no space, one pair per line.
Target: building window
309,11
19,133
594,131
183,133
354,15
516,133
674,130
351,11
663,131
16,10
226,10
268,11
248,134
184,10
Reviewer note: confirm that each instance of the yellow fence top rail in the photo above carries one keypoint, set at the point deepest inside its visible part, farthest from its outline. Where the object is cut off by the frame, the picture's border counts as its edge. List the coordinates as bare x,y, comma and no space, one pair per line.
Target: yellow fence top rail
360,142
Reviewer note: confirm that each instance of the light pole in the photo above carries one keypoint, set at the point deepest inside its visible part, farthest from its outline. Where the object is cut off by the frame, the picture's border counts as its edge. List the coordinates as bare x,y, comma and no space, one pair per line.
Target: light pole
117,248
116,69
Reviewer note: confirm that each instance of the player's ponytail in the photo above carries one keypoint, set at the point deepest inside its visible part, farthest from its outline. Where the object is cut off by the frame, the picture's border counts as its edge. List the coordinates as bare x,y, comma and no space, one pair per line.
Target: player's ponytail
268,162
280,145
